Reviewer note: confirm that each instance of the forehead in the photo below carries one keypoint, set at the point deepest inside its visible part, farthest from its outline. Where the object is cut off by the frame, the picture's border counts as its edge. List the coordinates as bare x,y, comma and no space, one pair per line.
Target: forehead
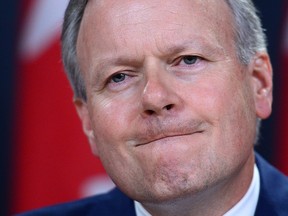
129,11
112,25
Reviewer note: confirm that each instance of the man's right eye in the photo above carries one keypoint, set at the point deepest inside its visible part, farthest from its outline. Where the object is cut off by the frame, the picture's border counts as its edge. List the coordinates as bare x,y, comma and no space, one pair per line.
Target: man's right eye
120,77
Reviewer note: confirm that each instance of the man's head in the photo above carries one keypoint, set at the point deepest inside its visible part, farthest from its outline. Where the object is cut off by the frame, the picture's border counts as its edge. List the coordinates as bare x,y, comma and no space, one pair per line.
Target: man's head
169,92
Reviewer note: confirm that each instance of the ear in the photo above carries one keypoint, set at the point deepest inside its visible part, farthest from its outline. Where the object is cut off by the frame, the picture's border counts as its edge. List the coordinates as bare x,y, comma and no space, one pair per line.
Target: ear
83,113
262,85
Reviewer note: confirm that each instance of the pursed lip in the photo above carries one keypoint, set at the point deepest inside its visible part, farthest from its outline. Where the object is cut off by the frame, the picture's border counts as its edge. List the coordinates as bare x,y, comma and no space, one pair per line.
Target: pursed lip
162,137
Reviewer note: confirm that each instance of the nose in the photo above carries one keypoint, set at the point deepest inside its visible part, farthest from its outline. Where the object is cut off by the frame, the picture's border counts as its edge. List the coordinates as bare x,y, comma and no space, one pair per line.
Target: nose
160,96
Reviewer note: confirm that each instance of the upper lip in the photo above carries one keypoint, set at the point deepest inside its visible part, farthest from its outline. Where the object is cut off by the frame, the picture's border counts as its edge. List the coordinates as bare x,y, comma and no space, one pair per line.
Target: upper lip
155,131
166,135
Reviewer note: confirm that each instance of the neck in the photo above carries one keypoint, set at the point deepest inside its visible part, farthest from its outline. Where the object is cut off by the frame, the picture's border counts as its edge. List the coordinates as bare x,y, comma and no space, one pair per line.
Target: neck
216,200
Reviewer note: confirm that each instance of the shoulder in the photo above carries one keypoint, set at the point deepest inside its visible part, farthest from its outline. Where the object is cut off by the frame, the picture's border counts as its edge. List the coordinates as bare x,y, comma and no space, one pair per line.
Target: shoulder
111,203
273,196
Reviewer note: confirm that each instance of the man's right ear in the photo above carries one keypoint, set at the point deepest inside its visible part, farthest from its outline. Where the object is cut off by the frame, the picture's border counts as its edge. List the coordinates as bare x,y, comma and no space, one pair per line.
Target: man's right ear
83,113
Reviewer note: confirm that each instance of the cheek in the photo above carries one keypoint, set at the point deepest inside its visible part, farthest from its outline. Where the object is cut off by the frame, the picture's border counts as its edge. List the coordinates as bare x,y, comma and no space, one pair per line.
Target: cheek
111,120
111,114
225,103
223,95
228,108
208,99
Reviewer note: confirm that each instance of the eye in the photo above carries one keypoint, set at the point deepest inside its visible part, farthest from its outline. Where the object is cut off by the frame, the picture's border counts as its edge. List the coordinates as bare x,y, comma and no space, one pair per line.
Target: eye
120,77
190,59
184,65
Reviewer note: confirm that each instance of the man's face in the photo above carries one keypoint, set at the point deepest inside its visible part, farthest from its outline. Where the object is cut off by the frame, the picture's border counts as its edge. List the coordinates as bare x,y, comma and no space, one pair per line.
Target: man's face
171,111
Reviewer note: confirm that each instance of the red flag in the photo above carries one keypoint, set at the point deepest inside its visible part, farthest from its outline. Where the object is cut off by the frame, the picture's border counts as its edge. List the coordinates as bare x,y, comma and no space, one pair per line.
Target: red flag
53,161
282,148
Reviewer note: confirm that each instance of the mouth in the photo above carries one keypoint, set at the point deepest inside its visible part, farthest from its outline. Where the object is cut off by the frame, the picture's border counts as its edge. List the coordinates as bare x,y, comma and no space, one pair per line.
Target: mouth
165,137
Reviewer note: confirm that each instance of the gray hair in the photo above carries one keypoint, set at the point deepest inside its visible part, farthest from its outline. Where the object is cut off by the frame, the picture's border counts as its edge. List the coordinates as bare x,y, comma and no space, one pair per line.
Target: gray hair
249,37
71,25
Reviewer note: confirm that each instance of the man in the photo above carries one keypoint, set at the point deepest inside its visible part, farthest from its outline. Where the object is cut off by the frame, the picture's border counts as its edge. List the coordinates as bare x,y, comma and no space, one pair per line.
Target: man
170,95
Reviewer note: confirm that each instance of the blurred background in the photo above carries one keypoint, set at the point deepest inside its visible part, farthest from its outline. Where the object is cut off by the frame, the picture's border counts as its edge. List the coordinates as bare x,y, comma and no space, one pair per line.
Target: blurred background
45,158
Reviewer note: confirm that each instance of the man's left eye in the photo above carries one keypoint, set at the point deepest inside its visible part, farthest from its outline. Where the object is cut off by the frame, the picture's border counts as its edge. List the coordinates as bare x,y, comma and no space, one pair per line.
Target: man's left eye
190,59
118,78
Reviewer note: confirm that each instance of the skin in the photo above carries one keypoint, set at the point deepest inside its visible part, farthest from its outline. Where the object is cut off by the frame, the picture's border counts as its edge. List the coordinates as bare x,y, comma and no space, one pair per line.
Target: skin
171,111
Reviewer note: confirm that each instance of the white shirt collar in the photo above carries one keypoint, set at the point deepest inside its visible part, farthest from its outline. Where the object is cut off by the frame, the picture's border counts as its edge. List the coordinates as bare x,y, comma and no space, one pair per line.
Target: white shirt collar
246,206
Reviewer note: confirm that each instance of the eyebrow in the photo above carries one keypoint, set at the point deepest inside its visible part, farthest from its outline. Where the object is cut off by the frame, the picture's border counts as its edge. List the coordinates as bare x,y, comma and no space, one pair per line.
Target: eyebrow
203,46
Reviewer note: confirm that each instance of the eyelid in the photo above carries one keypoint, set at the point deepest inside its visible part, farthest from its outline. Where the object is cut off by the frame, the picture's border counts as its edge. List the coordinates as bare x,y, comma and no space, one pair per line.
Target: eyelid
178,60
109,83
110,78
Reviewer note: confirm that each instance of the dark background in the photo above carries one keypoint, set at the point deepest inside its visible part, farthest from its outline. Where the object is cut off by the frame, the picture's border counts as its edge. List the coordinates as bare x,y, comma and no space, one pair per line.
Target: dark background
271,12
9,26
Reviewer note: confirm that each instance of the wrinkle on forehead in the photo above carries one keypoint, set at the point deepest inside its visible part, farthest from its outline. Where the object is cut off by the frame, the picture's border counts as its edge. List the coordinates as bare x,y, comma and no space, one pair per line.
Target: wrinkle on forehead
122,14
128,11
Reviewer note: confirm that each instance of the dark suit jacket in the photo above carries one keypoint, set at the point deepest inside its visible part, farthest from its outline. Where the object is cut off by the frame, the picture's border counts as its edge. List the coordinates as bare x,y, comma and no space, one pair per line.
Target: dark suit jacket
273,199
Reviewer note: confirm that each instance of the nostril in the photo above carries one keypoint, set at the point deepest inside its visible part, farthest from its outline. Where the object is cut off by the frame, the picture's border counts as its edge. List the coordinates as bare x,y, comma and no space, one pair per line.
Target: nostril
168,107
149,112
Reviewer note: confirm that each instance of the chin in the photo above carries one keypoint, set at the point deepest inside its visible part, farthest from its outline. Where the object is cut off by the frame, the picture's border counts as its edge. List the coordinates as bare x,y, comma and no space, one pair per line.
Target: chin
172,191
